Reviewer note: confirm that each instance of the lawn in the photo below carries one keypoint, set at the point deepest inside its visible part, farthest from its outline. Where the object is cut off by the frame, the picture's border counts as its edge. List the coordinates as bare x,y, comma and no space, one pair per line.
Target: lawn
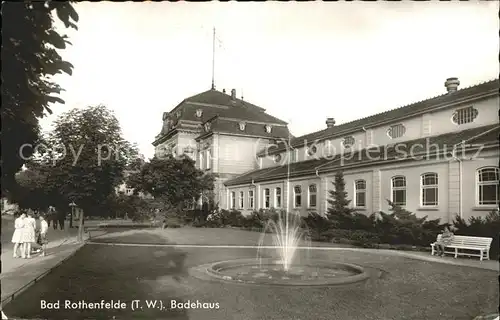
409,289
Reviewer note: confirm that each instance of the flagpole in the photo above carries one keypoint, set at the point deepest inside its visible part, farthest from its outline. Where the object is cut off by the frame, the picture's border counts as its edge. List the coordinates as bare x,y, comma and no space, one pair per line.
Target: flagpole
288,190
213,60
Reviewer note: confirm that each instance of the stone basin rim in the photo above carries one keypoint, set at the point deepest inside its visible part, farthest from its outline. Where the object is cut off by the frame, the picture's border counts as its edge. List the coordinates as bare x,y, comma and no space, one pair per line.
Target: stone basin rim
215,270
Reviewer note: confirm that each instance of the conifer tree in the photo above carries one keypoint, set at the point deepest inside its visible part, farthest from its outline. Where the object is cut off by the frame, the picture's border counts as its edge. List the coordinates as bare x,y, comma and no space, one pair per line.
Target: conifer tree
338,209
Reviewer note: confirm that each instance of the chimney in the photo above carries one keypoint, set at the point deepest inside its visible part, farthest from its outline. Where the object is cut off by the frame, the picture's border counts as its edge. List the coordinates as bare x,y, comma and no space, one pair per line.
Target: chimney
223,90
451,84
233,94
330,122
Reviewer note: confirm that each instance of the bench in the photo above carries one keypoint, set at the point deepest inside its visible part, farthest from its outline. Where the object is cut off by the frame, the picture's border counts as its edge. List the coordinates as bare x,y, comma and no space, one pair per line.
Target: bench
480,244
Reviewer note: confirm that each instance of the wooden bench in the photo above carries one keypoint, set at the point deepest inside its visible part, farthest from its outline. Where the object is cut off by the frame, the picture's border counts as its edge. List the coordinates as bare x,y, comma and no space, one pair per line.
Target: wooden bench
480,244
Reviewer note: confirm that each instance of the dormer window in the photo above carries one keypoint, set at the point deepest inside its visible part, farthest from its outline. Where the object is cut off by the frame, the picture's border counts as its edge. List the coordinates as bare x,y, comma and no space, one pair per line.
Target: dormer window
207,126
199,113
464,115
242,126
396,131
268,128
348,141
178,114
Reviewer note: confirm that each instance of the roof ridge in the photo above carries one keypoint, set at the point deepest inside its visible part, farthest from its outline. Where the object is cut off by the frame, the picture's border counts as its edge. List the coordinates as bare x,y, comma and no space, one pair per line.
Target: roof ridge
404,106
494,127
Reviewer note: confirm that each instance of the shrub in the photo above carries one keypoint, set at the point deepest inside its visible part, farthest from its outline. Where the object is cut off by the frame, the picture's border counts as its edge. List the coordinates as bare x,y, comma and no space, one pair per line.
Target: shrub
403,227
253,221
232,218
317,225
199,224
488,226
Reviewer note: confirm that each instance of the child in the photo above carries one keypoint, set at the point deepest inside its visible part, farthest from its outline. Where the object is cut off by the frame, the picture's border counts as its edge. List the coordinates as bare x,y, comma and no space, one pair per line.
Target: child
44,227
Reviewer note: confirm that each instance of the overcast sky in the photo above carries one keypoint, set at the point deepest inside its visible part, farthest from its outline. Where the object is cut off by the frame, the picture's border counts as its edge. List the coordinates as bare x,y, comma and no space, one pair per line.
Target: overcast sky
303,62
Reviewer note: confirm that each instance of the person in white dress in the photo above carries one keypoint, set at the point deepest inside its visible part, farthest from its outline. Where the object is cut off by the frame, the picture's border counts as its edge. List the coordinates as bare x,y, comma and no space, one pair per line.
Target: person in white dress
18,234
44,227
28,236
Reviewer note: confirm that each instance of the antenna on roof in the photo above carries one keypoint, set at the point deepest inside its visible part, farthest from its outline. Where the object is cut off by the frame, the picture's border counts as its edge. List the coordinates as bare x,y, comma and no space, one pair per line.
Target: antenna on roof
213,61
241,93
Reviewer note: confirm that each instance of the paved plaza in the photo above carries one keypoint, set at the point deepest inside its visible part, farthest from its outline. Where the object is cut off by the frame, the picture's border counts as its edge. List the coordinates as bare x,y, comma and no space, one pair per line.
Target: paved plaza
154,265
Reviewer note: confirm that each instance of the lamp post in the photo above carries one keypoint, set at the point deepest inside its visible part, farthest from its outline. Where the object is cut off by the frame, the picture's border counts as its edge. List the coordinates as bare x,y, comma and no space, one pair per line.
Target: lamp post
72,205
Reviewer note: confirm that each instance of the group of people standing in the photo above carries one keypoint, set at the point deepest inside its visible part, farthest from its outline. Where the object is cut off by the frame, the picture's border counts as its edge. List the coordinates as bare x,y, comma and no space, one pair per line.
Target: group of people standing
26,235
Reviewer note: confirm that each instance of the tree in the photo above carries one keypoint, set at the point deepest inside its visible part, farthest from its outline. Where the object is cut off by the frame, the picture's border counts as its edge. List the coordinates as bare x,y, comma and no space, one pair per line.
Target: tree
338,210
86,156
29,59
172,180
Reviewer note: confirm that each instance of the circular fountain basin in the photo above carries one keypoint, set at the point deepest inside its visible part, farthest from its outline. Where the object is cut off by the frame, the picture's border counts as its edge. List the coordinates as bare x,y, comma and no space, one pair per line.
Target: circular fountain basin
271,272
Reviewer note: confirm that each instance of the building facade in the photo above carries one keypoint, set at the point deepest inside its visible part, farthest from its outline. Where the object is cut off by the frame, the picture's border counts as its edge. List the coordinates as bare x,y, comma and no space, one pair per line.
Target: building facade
438,158
221,132
126,190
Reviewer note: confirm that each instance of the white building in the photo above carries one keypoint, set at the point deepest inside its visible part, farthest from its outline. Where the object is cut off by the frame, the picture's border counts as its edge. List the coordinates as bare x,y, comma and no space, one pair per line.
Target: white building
437,157
124,189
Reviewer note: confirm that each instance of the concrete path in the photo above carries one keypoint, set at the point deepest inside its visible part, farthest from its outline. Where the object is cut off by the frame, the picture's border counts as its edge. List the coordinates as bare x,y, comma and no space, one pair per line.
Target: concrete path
18,274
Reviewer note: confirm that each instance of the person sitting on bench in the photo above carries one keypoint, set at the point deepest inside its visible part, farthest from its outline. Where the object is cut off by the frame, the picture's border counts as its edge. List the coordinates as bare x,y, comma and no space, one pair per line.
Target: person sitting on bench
446,239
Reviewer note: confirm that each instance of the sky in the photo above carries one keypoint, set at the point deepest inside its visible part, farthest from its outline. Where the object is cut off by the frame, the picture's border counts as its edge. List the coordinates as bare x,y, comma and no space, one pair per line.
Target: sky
302,62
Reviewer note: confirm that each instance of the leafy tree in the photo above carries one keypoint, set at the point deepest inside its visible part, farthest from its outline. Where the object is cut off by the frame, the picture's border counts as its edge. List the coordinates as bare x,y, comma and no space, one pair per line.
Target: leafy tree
29,59
338,210
30,190
86,156
173,181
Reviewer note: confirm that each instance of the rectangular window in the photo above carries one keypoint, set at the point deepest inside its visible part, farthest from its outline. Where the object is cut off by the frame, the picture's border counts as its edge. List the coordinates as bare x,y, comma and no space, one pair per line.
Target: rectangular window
202,165
429,184
312,196
297,190
328,148
209,159
293,155
233,200
250,199
360,190
267,198
277,197
399,190
241,199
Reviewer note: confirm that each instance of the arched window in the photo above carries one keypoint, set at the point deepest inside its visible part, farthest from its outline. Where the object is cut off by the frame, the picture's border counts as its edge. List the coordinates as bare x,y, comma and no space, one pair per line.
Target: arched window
487,186
398,190
277,197
360,190
297,191
312,196
429,189
267,198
